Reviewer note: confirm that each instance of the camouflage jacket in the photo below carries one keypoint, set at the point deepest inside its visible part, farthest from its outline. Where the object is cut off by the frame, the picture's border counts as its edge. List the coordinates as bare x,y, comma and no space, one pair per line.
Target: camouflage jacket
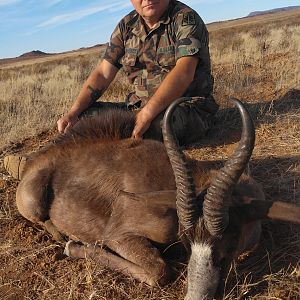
148,56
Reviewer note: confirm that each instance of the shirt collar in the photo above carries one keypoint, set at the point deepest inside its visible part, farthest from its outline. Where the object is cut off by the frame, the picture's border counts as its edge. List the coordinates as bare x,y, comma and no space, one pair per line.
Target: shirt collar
137,25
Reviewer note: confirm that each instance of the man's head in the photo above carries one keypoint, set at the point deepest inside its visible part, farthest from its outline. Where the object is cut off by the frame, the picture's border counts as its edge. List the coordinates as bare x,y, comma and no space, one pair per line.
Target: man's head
150,10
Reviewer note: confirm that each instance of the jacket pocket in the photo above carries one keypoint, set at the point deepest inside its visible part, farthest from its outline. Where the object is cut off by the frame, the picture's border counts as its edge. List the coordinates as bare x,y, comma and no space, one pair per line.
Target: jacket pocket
130,57
166,56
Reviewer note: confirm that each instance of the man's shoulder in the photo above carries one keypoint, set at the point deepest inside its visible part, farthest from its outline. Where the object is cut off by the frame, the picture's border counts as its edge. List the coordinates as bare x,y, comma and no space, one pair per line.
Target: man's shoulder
180,8
184,14
130,18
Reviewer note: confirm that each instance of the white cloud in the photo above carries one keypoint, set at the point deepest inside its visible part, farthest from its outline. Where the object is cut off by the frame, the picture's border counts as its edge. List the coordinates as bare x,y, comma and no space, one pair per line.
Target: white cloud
77,15
8,2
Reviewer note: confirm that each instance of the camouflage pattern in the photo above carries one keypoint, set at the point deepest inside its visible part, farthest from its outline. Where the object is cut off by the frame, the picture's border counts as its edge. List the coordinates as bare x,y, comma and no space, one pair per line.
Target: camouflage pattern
191,121
147,57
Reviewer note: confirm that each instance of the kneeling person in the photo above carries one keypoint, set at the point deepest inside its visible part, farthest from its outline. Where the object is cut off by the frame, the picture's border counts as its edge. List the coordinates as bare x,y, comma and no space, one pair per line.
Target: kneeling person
163,48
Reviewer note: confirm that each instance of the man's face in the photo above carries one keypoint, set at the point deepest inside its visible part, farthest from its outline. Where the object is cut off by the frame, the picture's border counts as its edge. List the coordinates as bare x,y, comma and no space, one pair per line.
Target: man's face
150,9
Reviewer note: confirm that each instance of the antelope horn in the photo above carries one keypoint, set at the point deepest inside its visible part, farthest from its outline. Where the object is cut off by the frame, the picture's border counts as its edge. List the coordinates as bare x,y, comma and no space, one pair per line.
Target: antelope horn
215,208
187,209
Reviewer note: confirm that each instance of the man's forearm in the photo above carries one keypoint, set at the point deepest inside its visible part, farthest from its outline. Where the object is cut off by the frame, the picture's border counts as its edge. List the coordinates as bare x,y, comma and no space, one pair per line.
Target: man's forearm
91,91
94,87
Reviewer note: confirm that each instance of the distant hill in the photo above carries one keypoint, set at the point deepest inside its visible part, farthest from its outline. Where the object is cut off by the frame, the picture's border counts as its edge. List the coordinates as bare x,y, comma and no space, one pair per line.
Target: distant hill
257,13
40,55
26,56
34,53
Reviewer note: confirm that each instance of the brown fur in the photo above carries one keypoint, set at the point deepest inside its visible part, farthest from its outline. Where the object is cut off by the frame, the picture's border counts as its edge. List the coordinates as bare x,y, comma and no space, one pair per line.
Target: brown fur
96,185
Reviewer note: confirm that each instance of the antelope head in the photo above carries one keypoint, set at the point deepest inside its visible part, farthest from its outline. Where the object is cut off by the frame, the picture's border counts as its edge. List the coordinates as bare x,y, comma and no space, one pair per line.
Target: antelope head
212,226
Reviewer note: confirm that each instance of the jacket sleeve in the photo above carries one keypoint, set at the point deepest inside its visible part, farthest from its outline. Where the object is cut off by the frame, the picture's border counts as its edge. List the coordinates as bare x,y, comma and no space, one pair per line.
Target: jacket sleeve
191,36
115,49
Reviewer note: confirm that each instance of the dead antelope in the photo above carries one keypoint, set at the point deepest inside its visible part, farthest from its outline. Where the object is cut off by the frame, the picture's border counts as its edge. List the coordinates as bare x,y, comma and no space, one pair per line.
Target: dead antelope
118,199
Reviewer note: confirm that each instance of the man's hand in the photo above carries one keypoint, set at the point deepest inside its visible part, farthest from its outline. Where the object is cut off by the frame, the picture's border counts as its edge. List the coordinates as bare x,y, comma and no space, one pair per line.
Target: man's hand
65,122
142,123
172,87
95,85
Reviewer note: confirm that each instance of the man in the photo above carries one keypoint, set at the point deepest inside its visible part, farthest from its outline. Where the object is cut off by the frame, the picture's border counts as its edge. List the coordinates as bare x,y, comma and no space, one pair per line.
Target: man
163,48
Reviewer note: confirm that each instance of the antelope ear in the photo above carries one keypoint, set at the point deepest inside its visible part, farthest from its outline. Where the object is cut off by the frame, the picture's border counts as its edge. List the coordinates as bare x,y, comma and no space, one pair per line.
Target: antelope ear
277,210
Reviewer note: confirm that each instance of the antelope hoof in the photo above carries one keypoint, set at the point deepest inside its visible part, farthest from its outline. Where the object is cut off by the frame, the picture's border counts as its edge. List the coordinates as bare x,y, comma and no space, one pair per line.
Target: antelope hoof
67,247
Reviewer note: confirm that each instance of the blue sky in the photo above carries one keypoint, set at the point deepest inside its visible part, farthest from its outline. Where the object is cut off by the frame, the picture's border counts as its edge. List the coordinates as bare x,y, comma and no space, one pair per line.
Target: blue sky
61,25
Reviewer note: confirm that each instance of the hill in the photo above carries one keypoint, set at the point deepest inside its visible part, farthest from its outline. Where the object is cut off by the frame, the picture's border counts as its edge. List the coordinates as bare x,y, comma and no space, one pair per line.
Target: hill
270,11
285,17
34,53
37,56
25,56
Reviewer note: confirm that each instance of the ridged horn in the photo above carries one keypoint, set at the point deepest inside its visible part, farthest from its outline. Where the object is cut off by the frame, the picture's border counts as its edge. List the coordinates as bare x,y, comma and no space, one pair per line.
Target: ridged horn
187,209
215,206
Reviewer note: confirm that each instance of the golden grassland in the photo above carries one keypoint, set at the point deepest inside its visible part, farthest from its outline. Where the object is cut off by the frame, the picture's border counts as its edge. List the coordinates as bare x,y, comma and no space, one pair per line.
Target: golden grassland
255,59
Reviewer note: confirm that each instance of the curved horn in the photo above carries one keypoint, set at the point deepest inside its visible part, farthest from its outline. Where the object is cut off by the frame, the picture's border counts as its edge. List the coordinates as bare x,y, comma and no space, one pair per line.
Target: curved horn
215,208
187,209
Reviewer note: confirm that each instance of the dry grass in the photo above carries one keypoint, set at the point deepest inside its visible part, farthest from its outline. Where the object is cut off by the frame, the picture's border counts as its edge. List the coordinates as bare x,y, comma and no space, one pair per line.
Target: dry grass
33,97
257,61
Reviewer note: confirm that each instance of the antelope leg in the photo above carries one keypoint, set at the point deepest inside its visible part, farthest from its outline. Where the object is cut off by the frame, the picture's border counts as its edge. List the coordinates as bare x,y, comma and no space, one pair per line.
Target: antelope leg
56,235
135,257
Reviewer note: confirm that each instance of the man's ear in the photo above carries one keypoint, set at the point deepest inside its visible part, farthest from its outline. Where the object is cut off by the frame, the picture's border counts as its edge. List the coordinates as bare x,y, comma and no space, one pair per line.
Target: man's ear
277,210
